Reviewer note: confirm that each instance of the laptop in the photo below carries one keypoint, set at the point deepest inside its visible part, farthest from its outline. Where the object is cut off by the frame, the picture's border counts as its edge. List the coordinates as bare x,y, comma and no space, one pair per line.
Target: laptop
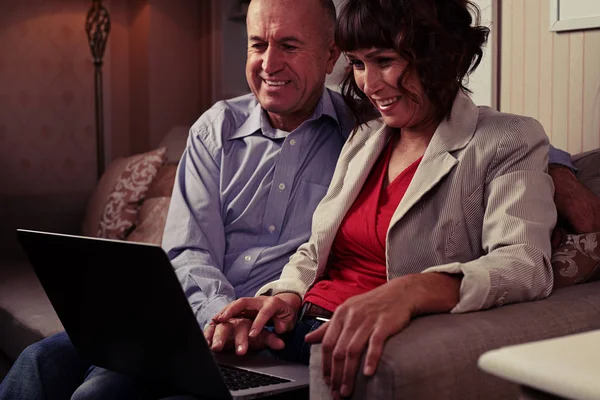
566,366
124,309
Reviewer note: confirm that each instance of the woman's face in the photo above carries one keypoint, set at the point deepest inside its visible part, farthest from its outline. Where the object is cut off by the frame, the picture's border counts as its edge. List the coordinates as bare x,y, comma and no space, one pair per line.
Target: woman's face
376,72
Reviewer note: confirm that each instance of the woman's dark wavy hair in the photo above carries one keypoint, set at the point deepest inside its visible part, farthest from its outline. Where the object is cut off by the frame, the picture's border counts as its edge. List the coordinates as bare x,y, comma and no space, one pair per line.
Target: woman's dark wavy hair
440,39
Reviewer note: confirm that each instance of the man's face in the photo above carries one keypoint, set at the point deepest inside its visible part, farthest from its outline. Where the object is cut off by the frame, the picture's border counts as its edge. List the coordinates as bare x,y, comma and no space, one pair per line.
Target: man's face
290,51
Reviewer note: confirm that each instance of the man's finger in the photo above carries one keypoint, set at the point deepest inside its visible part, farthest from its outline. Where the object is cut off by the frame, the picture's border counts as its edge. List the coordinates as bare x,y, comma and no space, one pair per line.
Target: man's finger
272,341
222,336
209,331
242,327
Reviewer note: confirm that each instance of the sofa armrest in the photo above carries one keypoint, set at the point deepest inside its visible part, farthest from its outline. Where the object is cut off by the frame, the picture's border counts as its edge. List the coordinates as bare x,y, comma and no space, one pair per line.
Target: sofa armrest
436,356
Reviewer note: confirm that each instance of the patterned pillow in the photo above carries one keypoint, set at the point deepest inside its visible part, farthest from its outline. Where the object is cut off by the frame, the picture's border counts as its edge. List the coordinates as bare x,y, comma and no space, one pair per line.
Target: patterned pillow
152,217
121,210
576,260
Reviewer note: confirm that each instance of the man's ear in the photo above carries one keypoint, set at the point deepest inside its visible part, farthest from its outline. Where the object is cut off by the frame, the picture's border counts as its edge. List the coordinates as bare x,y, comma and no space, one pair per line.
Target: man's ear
334,54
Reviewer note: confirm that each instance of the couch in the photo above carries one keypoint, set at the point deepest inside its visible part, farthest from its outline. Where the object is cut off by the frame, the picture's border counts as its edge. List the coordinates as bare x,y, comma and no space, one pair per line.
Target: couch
26,315
435,357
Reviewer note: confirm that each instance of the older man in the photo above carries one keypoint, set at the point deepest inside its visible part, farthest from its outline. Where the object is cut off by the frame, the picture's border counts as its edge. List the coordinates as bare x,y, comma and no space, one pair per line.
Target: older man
254,170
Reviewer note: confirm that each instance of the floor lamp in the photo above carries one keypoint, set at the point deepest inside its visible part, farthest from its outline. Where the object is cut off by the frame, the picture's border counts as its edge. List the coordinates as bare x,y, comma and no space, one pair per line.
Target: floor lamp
97,27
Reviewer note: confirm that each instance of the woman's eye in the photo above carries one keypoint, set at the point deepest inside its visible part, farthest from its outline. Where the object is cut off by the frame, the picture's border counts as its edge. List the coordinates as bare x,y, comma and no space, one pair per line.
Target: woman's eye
356,64
385,61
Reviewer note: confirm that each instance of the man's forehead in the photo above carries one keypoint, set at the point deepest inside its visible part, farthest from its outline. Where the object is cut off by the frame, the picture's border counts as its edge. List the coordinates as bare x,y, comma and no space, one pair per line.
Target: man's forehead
282,31
297,19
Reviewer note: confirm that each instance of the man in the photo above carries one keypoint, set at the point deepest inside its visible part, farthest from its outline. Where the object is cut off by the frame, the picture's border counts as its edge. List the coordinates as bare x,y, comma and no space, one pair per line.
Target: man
254,170
578,207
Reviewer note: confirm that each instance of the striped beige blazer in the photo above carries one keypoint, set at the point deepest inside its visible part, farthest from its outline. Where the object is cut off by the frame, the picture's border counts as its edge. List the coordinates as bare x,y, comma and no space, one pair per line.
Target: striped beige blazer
480,204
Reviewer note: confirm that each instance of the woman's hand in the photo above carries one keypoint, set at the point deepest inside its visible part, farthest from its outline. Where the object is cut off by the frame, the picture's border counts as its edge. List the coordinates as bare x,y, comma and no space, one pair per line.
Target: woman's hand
369,319
234,334
242,322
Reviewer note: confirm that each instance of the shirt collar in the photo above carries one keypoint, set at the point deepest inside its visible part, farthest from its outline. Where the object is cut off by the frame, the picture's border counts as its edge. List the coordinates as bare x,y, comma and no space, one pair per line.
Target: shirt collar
258,121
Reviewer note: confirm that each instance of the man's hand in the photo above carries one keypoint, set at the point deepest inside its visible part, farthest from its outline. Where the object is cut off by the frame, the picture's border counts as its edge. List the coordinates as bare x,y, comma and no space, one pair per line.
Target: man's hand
234,333
577,205
366,321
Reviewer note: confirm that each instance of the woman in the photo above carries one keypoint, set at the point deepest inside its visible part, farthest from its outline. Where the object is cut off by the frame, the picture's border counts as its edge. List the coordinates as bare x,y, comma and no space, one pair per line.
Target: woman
440,206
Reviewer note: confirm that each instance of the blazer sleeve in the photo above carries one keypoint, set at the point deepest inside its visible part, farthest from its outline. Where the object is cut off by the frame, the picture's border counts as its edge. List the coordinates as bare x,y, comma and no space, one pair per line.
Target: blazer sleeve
518,220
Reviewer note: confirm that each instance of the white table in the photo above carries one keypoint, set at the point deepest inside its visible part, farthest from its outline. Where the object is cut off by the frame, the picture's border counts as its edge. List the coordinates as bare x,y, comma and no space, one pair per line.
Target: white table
567,366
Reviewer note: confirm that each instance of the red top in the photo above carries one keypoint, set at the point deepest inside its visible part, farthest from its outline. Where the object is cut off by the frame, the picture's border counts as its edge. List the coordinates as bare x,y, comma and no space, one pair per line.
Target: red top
356,263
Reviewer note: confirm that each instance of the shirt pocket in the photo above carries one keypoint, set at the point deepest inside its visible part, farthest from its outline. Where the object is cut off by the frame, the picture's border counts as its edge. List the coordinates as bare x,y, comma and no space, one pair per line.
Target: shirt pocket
307,198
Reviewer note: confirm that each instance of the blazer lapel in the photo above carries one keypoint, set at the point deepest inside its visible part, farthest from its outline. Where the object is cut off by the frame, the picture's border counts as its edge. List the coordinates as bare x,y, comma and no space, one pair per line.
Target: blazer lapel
437,162
367,150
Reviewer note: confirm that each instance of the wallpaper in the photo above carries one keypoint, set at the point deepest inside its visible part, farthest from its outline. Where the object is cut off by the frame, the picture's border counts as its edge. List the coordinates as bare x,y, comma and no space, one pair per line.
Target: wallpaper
553,77
47,134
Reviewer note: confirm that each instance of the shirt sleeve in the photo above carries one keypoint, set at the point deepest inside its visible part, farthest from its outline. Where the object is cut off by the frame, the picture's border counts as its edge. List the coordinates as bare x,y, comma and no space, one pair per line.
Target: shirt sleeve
194,237
560,157
517,223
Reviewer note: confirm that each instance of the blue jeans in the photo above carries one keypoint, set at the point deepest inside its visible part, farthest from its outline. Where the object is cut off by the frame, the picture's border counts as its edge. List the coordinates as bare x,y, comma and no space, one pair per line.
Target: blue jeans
51,369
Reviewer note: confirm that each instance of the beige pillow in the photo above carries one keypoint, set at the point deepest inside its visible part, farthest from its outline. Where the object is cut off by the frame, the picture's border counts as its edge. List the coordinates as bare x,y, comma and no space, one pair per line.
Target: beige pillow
120,211
151,221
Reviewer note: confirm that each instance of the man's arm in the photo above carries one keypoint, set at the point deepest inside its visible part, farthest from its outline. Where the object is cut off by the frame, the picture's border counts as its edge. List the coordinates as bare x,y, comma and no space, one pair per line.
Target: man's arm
194,237
577,205
558,157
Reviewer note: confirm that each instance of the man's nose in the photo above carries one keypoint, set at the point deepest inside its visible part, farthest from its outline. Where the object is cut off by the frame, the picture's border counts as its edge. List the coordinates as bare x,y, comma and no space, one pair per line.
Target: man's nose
272,60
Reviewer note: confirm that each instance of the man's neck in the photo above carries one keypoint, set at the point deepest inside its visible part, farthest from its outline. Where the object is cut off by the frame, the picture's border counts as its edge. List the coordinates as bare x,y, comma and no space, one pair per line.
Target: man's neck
292,121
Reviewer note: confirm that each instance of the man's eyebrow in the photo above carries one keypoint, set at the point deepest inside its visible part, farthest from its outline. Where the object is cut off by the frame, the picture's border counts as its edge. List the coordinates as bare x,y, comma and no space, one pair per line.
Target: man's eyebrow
285,39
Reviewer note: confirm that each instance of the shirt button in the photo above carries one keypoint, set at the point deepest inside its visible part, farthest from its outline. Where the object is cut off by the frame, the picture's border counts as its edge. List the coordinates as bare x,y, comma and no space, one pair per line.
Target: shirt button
272,228
293,142
282,186
248,258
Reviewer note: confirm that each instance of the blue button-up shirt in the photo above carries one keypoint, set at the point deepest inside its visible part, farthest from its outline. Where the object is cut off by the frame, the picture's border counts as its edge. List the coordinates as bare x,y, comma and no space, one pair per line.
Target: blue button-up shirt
244,196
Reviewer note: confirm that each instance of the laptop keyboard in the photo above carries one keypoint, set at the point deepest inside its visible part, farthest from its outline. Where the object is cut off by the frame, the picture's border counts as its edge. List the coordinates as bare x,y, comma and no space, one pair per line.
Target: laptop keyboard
238,379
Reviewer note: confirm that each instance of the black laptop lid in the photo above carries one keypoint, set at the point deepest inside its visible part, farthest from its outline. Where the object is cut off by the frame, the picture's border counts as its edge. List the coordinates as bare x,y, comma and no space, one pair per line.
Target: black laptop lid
124,309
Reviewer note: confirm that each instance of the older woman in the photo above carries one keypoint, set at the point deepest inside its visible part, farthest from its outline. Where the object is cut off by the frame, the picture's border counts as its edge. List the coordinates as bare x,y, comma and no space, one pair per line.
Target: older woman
439,206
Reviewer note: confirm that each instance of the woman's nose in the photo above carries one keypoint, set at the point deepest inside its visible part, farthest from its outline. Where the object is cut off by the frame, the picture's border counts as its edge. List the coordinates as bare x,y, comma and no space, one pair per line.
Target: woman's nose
371,81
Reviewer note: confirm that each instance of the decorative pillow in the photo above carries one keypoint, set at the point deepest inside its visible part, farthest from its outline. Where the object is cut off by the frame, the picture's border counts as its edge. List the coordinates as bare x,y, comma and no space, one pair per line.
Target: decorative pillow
121,209
577,260
151,221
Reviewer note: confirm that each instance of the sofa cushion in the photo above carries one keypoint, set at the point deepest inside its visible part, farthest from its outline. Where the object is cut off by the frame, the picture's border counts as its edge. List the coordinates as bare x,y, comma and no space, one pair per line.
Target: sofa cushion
26,314
121,210
577,260
436,356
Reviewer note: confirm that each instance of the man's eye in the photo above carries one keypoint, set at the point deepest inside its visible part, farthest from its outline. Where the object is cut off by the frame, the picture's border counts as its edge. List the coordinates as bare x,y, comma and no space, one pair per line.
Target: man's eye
258,46
288,47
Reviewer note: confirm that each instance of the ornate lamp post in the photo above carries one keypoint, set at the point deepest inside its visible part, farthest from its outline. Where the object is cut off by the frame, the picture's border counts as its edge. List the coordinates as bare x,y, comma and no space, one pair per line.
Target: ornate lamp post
97,27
